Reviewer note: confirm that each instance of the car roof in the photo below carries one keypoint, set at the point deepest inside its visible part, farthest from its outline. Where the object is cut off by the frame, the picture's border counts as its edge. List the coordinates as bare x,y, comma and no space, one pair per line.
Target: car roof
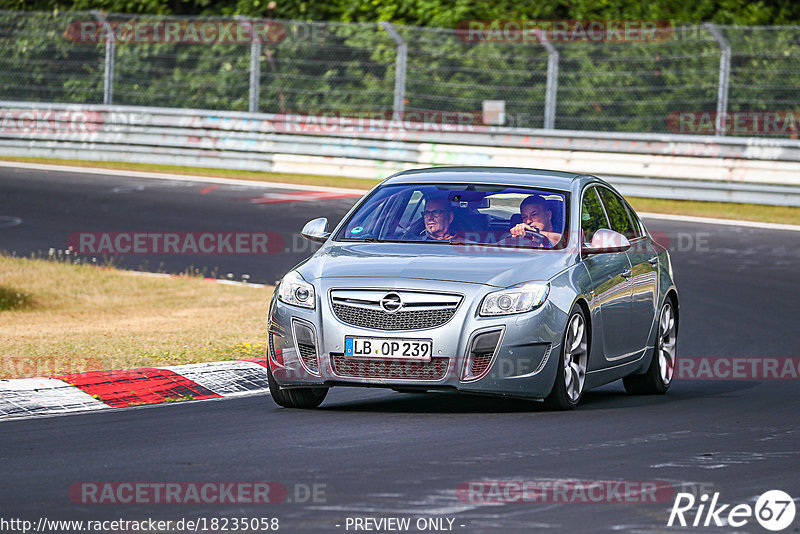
489,175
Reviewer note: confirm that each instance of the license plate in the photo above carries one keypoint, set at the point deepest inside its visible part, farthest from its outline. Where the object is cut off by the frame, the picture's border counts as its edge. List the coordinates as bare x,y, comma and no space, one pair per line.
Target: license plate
377,347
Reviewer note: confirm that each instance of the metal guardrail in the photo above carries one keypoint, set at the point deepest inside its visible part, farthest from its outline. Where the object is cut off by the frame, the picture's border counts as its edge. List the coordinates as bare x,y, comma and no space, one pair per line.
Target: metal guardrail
658,165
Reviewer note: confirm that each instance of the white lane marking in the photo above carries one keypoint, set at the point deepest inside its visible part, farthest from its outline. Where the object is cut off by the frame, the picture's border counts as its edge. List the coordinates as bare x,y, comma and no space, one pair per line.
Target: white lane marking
440,502
719,460
725,222
128,189
178,177
8,221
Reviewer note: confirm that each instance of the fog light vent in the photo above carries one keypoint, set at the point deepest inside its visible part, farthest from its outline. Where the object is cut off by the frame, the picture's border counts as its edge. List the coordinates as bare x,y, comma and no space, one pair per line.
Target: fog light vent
481,354
306,343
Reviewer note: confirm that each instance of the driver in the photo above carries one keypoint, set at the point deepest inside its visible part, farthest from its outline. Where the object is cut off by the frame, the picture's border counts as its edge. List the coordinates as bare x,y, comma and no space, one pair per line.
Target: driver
538,217
438,216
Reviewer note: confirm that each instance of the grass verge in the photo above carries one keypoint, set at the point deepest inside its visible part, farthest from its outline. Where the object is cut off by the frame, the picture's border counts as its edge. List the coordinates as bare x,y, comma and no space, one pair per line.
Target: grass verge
721,210
58,318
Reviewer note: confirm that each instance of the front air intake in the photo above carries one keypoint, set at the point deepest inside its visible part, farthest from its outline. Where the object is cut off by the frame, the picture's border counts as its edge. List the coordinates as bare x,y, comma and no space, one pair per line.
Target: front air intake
306,344
482,349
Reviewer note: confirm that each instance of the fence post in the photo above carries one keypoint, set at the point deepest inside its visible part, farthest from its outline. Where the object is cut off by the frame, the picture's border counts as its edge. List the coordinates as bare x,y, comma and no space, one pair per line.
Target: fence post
399,71
724,77
108,75
255,64
550,95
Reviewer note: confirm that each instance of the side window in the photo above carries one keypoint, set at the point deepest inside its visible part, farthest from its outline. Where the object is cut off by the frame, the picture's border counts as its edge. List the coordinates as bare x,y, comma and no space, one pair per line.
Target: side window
620,221
592,216
638,226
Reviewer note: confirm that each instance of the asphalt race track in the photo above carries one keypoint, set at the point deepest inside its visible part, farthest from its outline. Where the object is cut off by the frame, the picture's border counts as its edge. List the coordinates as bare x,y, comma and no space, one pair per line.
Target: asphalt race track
377,453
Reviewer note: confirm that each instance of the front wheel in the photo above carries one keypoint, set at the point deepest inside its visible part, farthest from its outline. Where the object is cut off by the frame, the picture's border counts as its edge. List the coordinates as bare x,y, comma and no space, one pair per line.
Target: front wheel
295,397
573,360
658,377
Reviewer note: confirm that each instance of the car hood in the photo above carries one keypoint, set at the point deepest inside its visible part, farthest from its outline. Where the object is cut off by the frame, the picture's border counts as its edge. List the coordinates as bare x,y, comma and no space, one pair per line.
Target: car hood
490,265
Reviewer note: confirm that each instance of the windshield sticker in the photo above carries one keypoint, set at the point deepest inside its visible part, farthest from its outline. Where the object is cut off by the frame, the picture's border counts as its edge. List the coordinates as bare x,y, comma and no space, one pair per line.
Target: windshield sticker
357,229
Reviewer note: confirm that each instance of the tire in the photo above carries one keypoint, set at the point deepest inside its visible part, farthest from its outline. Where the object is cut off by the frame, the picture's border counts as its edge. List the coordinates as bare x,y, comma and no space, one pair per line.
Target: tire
657,379
572,363
306,398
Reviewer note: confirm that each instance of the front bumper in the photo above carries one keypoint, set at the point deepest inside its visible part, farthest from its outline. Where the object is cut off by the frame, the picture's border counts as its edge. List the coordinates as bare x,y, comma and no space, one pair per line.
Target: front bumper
307,346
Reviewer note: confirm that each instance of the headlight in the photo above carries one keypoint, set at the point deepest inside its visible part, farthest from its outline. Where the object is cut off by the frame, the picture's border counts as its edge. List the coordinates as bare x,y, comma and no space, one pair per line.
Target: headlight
515,299
296,291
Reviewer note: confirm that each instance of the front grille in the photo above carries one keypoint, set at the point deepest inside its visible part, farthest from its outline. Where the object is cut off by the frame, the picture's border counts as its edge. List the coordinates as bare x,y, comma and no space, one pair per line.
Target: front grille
419,309
402,320
436,369
309,356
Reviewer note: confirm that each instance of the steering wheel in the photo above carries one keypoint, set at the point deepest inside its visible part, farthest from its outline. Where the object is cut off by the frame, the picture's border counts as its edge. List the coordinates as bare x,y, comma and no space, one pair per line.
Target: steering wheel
539,240
411,232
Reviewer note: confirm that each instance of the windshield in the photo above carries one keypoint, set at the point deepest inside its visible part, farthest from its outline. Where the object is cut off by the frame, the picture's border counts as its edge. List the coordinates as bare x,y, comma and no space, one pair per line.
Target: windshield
495,215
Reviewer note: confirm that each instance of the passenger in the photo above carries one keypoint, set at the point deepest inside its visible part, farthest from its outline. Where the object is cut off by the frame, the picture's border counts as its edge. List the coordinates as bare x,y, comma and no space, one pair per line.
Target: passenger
536,216
438,216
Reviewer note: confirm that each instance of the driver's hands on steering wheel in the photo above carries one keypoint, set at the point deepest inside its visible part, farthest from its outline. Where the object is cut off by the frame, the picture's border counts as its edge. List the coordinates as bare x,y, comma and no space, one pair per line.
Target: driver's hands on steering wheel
521,229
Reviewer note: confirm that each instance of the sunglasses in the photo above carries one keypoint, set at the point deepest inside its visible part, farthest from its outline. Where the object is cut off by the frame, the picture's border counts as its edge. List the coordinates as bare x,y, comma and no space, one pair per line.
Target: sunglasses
434,213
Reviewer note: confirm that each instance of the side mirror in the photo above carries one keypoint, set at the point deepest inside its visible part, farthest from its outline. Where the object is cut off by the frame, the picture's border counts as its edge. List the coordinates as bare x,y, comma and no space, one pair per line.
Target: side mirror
605,240
316,230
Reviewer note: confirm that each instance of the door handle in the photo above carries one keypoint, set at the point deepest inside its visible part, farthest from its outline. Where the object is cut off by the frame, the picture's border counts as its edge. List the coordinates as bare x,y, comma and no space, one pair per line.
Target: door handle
653,261
627,273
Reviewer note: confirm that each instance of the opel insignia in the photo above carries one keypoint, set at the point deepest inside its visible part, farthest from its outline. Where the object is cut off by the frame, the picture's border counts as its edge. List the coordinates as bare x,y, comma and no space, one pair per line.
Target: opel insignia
514,282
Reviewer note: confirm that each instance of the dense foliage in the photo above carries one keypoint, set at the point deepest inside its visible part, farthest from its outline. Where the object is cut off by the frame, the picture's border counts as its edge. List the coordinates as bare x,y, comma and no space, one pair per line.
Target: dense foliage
447,14
350,67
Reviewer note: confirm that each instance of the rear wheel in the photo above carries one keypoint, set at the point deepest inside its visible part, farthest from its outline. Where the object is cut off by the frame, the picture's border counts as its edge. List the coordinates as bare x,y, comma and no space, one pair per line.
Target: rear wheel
574,358
295,397
658,377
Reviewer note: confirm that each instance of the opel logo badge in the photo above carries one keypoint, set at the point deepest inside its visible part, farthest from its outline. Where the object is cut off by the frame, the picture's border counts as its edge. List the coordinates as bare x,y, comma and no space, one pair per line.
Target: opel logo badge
391,302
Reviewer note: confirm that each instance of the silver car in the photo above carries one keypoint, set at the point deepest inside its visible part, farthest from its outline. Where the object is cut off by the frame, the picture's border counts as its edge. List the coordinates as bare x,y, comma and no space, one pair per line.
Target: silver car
513,282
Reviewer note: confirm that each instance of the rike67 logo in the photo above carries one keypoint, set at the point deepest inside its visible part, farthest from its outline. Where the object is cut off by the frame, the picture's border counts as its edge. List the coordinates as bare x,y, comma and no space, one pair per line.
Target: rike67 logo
774,510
